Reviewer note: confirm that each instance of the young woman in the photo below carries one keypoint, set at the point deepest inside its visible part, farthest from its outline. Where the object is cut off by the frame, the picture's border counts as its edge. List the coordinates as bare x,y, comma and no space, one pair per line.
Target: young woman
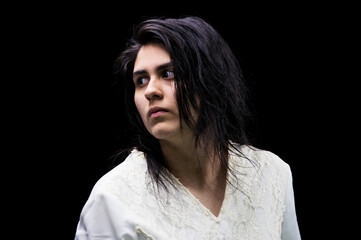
192,173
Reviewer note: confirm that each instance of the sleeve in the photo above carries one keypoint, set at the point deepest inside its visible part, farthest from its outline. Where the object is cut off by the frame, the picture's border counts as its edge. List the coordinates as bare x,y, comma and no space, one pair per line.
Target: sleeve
104,217
290,230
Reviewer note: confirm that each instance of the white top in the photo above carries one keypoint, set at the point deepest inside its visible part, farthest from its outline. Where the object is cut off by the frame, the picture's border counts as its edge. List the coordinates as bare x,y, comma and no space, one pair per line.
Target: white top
124,204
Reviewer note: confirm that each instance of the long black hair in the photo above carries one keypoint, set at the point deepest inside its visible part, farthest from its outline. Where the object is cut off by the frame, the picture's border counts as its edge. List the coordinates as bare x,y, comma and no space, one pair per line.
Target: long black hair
208,78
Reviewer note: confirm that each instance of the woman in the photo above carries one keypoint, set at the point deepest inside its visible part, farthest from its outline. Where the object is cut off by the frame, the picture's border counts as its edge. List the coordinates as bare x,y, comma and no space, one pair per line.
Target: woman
192,173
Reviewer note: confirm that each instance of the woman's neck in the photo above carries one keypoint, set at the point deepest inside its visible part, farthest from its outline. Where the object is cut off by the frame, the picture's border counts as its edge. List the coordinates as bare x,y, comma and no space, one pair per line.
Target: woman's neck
199,171
193,166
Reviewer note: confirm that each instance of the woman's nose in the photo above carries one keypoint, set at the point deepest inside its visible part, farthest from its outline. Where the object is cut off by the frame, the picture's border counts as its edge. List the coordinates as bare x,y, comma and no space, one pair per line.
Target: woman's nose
153,89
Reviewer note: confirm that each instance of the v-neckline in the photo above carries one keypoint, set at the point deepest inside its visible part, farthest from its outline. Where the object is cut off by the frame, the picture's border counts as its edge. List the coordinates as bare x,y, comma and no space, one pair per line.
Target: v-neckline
206,210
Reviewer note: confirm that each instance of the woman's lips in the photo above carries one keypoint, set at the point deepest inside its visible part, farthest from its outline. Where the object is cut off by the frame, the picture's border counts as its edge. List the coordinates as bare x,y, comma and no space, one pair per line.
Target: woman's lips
156,112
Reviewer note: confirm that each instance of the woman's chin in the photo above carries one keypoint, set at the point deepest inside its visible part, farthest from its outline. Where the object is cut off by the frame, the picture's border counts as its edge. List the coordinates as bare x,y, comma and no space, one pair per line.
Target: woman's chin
164,132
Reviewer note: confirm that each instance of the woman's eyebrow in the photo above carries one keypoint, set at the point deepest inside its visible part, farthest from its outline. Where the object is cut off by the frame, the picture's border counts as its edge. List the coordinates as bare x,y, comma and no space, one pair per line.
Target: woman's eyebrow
140,72
163,66
159,68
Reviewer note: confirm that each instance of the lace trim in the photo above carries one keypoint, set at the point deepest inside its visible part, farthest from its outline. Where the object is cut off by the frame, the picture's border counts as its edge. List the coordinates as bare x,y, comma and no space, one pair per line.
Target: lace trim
253,204
197,202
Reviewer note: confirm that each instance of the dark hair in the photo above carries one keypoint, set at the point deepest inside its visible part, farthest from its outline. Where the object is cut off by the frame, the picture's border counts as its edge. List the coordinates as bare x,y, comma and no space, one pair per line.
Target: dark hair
208,78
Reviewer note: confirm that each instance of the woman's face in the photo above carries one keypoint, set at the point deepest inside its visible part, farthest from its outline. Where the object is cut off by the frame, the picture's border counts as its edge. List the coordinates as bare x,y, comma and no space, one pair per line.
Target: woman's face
155,92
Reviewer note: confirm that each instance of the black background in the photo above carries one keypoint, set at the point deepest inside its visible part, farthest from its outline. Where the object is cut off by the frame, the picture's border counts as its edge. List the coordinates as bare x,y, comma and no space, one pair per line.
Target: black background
70,121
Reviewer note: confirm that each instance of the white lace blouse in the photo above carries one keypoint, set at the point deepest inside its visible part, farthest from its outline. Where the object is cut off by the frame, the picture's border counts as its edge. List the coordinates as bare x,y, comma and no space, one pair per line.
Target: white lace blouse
258,204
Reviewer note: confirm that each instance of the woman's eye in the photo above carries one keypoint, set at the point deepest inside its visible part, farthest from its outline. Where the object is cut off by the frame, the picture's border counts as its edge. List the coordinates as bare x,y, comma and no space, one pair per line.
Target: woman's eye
168,74
141,81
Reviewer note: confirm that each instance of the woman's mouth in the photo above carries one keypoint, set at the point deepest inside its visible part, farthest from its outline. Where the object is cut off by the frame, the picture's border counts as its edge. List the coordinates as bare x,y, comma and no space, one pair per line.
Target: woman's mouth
156,112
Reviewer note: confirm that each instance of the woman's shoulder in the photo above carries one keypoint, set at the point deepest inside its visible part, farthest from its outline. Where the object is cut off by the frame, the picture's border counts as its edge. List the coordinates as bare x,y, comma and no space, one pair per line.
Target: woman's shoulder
130,174
263,155
261,158
261,173
112,198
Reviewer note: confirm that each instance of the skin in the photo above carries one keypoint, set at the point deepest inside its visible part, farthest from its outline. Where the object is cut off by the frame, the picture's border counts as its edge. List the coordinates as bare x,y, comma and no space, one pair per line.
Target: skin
155,90
155,87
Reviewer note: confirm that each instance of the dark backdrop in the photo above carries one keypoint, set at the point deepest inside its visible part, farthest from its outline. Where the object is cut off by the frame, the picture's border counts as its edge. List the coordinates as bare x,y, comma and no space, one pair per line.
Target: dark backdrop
75,121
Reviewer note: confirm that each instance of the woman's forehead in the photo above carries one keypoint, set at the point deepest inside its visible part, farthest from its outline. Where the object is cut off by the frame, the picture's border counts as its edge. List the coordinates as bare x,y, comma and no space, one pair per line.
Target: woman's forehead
151,56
